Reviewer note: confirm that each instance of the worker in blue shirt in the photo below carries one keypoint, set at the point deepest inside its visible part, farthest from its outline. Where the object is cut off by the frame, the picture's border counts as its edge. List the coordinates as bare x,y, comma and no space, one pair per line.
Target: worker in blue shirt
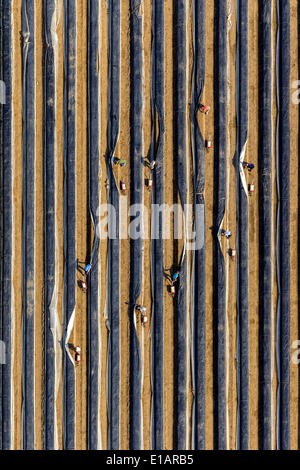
87,269
84,268
175,277
226,233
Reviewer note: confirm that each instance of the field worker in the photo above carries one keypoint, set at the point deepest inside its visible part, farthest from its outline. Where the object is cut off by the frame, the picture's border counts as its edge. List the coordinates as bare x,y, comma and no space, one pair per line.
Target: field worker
204,108
142,309
83,268
152,165
83,286
175,277
226,233
249,166
77,355
122,162
87,269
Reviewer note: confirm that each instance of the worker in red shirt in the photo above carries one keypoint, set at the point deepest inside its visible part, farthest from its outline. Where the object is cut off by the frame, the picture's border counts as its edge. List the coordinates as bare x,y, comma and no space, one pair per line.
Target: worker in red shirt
83,285
204,108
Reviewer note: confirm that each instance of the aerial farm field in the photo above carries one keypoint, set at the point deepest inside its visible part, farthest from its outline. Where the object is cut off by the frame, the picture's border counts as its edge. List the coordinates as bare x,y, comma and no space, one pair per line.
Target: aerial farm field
149,250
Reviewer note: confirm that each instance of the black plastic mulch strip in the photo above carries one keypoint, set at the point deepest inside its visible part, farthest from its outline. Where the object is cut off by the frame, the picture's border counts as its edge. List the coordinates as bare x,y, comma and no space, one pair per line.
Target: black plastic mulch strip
219,308
69,211
265,132
49,222
136,198
113,300
28,155
242,233
199,340
157,251
93,164
283,235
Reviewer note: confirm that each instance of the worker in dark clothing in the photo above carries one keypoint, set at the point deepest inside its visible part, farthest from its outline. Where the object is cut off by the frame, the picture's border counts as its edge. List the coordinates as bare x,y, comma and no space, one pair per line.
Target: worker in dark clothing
249,166
77,355
149,163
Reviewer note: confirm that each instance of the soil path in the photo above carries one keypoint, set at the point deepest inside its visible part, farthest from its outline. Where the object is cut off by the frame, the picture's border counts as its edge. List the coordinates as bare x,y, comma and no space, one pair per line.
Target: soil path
17,221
